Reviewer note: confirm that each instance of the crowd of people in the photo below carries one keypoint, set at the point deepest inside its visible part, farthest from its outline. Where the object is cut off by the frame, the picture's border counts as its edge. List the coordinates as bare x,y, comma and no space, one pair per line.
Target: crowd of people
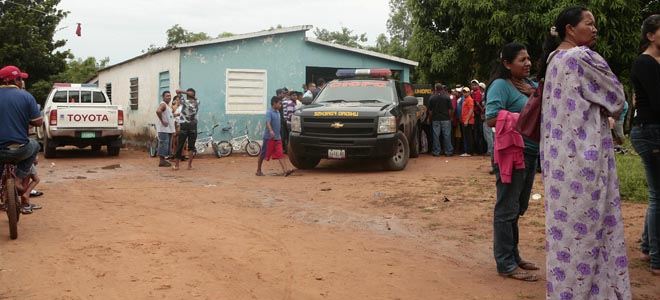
453,122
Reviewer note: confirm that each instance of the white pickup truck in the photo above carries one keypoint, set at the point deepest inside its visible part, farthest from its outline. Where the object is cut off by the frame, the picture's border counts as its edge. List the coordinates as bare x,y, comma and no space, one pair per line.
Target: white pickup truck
80,115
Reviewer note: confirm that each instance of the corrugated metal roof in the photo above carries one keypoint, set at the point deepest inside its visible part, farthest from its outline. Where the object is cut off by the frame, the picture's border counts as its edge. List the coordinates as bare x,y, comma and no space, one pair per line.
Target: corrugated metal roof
267,33
364,52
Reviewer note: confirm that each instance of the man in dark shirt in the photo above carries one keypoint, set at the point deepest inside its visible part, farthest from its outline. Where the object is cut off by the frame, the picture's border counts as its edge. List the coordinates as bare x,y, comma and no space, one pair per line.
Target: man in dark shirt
440,111
18,110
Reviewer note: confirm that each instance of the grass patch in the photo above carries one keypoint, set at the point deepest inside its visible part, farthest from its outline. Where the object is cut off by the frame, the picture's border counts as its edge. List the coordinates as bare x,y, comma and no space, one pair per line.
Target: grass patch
632,179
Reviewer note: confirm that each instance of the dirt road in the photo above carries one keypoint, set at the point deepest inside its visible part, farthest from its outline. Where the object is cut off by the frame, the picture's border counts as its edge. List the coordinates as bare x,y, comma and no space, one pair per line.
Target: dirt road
122,228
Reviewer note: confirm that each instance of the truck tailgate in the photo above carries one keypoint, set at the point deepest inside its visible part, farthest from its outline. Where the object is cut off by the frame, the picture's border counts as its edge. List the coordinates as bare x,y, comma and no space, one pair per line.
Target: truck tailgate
87,116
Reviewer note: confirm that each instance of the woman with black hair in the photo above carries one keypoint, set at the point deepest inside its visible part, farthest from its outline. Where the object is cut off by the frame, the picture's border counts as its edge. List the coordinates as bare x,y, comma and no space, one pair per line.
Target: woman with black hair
508,92
585,248
645,135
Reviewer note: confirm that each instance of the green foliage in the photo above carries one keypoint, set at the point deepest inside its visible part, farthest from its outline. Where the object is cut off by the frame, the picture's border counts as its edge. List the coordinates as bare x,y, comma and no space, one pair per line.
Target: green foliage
178,35
344,37
26,33
399,30
632,178
80,70
456,40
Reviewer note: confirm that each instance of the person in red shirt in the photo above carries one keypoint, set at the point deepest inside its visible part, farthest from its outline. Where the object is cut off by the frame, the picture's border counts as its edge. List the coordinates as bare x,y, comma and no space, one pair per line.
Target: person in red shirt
467,122
477,95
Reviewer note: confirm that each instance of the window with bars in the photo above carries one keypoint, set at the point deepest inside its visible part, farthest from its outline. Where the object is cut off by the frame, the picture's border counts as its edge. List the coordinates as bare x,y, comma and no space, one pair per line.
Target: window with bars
134,93
108,91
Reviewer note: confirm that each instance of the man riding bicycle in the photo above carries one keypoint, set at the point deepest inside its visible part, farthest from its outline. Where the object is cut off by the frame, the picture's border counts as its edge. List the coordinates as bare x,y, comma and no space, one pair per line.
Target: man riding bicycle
18,110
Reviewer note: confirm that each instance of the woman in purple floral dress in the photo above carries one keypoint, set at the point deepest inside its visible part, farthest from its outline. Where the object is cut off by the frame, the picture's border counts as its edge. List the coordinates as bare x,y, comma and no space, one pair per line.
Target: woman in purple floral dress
586,253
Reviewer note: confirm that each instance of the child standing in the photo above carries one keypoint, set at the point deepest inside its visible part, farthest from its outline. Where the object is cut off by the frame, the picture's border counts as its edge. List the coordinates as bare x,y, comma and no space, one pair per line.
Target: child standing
272,143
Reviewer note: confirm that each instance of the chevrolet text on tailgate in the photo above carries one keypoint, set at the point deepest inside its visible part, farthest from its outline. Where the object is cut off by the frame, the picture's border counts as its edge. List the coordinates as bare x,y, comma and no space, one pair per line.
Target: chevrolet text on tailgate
361,115
81,115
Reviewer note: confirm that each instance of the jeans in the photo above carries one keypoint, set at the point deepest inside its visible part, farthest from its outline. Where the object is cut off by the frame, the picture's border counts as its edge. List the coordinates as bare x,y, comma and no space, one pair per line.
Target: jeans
23,157
442,128
645,139
488,136
164,144
468,138
512,202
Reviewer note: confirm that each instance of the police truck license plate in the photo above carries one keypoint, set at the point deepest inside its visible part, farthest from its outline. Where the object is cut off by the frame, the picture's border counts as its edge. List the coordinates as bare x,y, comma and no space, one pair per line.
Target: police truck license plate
87,135
337,153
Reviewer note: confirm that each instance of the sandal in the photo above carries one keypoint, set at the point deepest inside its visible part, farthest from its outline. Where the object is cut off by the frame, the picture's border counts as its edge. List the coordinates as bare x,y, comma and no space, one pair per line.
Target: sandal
175,168
35,206
26,210
287,173
259,174
520,275
528,265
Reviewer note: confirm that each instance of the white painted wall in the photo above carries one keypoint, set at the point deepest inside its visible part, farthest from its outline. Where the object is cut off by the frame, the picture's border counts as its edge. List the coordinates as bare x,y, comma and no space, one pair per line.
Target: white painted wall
147,70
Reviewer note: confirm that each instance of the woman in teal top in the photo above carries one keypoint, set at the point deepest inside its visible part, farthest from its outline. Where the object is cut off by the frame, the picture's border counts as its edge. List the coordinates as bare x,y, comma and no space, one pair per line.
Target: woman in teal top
509,90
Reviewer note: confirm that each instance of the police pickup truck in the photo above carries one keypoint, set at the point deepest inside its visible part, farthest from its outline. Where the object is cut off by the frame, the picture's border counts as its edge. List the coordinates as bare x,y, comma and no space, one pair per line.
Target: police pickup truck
80,115
361,115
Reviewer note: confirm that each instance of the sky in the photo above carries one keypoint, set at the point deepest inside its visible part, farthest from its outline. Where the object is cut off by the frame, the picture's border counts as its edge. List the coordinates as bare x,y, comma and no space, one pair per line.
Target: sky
122,29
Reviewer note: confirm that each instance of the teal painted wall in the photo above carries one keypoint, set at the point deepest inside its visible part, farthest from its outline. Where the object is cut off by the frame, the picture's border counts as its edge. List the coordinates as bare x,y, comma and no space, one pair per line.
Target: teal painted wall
283,56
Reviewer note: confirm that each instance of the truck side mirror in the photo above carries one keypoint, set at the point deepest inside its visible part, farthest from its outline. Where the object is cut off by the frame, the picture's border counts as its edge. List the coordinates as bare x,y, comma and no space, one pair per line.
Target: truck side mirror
409,101
307,100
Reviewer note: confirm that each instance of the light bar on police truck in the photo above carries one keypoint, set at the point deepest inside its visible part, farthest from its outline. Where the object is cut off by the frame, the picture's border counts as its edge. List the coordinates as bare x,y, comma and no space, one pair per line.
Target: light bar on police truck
349,73
74,85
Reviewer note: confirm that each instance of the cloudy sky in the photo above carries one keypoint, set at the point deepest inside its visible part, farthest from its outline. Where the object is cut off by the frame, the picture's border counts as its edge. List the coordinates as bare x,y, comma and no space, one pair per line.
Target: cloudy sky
122,29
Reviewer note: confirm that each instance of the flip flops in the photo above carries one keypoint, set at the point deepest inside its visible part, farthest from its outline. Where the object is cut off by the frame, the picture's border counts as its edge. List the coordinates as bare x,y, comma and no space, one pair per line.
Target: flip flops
35,193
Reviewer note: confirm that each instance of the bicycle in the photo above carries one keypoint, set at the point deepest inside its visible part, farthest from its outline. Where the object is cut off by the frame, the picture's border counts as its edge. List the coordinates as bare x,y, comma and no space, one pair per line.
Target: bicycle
152,144
9,198
203,143
238,143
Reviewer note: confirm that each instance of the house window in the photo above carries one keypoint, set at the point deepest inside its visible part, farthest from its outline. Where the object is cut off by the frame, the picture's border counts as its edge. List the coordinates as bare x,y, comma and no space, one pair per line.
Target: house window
134,93
246,91
108,90
163,84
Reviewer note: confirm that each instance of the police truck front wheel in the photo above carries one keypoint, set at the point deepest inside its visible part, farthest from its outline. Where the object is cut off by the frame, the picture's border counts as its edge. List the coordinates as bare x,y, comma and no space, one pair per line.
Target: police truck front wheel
302,162
402,152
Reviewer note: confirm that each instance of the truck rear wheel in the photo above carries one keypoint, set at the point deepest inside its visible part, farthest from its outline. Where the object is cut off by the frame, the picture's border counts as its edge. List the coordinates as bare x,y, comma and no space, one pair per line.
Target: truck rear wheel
49,148
113,150
414,144
302,162
399,160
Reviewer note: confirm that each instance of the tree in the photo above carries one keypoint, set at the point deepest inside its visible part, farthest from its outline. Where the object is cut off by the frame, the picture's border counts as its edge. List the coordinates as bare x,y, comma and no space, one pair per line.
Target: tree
344,37
456,40
80,70
26,31
178,35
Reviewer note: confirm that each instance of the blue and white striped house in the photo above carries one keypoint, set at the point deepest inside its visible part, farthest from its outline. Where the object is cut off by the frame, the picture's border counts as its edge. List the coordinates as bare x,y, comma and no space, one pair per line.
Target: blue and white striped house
234,76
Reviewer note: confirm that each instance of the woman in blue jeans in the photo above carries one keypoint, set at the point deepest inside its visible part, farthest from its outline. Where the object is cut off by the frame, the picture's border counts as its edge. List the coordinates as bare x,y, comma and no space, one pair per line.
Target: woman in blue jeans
645,135
509,90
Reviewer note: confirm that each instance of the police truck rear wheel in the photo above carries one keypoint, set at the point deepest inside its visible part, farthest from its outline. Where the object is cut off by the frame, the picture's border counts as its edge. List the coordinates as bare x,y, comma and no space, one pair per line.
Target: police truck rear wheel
400,158
414,144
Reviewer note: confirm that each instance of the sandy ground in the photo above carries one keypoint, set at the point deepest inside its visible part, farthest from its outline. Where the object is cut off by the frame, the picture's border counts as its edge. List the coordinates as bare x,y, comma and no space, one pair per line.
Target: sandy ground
122,228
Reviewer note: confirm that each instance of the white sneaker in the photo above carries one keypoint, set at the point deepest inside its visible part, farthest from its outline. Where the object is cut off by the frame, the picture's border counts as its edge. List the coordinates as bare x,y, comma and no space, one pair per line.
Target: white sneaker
465,155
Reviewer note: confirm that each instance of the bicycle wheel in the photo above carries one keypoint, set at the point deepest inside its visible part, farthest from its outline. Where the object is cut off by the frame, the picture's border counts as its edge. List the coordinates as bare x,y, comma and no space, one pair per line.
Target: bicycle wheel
13,209
253,148
153,147
216,149
225,148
